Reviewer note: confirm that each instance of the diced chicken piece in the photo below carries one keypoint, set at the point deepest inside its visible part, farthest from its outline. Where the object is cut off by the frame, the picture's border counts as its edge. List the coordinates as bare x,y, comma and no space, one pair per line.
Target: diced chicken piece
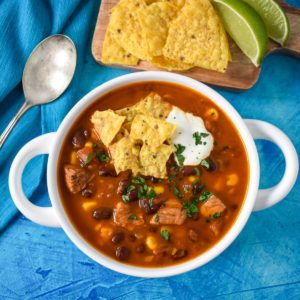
84,153
216,226
212,206
121,216
76,178
170,214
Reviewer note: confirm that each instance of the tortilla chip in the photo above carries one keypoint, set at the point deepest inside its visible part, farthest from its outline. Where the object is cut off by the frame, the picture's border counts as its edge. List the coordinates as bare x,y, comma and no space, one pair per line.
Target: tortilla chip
169,64
152,105
151,131
112,53
154,160
126,30
154,21
107,124
125,155
206,43
179,3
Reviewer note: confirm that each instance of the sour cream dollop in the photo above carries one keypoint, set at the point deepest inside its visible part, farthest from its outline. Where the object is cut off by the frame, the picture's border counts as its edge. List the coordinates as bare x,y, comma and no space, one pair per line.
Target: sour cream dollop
190,133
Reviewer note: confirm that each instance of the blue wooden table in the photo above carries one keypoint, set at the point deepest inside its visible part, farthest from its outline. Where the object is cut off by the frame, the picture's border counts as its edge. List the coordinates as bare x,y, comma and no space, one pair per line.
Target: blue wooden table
263,262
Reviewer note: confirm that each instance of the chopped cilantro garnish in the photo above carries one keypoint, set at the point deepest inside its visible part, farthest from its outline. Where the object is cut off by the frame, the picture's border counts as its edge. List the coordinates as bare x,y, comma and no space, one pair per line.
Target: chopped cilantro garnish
179,151
197,171
130,188
198,137
165,234
177,192
89,158
205,163
102,157
216,215
172,177
186,189
191,208
125,198
132,217
205,196
174,168
94,145
156,218
138,180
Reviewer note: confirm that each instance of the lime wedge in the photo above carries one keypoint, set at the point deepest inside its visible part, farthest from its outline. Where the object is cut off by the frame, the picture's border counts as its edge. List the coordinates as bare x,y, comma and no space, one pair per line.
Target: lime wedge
277,23
245,27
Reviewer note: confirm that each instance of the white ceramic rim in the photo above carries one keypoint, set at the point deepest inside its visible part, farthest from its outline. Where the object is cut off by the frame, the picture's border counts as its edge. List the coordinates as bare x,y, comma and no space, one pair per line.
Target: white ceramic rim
230,236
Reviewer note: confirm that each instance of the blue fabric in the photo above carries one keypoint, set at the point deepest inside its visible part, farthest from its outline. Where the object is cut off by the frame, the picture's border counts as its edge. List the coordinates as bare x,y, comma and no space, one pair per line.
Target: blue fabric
39,262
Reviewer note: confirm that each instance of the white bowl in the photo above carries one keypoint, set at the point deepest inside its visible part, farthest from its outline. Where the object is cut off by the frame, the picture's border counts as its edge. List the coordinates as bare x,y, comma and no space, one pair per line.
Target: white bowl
56,216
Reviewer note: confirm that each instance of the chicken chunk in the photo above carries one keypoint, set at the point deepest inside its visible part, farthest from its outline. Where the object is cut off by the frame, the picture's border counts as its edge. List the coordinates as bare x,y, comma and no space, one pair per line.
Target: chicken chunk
76,178
121,216
170,214
212,206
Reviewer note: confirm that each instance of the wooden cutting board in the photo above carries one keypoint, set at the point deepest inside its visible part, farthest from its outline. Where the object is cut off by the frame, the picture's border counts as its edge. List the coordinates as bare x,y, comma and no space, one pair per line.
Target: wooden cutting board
241,73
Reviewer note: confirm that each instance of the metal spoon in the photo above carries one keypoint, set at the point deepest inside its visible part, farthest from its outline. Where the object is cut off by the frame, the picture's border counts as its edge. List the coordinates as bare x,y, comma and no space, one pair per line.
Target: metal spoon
47,73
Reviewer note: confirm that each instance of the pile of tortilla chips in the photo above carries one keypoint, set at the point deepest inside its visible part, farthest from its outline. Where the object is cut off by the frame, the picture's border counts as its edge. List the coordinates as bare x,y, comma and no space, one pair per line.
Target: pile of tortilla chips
171,34
136,136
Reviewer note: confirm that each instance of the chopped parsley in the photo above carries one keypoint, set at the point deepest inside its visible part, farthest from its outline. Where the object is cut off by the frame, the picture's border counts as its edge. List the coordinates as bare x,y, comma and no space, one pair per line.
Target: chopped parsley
165,234
216,215
138,180
175,168
125,198
89,158
177,193
205,196
132,217
146,191
156,218
205,163
130,188
198,137
94,145
102,157
178,153
197,171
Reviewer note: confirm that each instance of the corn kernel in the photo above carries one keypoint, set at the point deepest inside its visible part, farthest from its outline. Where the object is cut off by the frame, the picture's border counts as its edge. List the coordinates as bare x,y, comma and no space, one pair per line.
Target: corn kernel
89,204
151,242
212,113
148,258
232,179
192,179
73,158
106,232
89,144
159,189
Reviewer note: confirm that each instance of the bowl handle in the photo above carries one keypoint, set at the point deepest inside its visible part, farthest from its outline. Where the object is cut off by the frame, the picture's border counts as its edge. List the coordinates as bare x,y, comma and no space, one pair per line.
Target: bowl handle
41,215
266,131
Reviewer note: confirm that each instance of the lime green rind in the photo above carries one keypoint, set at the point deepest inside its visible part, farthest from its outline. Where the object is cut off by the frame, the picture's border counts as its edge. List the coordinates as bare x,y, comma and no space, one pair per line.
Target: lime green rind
245,27
276,20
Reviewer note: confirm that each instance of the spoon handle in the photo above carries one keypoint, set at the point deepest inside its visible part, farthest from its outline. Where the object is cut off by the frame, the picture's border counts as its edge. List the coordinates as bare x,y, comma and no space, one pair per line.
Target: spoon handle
12,123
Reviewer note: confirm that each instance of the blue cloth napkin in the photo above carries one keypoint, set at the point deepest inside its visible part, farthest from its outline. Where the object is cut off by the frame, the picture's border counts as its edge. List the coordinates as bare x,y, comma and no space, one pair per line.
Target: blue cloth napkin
25,23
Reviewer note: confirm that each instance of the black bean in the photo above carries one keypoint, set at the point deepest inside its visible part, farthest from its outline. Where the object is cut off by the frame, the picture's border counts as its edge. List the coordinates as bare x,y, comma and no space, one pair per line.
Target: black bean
212,165
188,170
193,235
102,213
86,133
155,180
197,188
122,187
140,249
180,253
132,195
78,140
118,237
87,193
195,216
122,253
107,172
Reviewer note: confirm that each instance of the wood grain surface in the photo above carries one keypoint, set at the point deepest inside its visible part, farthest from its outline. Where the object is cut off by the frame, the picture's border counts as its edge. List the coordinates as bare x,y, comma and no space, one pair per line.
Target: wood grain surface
241,73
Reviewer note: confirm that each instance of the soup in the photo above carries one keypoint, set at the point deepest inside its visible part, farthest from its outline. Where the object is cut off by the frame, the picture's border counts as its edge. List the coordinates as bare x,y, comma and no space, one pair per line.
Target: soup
155,202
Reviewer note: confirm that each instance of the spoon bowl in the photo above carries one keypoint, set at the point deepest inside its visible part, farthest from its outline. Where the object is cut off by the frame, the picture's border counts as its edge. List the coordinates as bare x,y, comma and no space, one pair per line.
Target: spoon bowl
47,73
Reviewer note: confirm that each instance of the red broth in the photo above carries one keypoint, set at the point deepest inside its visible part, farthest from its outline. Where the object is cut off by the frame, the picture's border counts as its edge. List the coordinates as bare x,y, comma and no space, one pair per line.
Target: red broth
91,209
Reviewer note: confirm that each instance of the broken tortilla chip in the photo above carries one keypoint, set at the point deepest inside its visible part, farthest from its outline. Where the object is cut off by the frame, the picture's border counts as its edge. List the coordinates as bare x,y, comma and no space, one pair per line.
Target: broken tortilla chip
125,155
107,124
113,53
154,159
169,64
151,131
152,105
206,43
